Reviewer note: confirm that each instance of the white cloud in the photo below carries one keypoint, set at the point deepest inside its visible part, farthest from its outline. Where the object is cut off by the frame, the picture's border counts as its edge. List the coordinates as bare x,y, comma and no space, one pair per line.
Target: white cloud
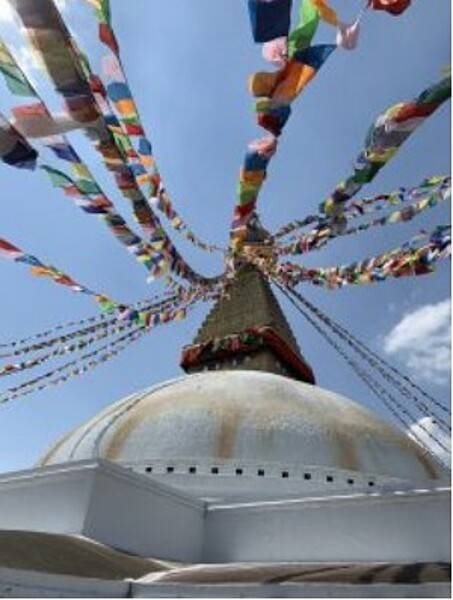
422,341
422,430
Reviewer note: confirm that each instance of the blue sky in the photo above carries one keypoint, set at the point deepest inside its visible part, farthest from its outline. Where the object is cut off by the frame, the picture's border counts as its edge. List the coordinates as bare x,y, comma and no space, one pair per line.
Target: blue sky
188,62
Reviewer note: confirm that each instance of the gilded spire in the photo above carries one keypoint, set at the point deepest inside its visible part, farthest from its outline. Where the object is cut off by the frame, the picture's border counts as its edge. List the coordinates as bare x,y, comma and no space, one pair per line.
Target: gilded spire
247,330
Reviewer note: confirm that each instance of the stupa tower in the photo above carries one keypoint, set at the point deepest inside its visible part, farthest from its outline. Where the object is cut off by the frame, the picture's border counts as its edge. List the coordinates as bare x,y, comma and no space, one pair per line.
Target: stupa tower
247,330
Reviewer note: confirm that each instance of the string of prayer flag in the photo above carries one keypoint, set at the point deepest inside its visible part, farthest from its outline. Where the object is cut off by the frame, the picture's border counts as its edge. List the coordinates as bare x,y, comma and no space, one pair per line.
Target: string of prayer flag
87,362
40,269
298,62
74,367
79,344
85,327
85,186
404,261
275,93
387,134
358,208
318,238
142,163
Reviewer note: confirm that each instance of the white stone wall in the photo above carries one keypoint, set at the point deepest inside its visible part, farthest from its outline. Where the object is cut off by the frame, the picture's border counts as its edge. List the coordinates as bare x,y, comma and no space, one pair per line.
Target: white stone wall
144,517
136,514
106,503
53,500
247,480
395,526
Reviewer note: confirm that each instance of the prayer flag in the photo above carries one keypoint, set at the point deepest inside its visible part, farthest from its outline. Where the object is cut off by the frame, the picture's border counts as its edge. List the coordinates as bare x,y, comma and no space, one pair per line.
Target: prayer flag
394,7
15,78
269,19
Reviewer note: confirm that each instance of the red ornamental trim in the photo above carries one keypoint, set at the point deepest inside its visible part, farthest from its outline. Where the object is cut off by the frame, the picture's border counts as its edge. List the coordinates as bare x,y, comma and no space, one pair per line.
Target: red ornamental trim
246,342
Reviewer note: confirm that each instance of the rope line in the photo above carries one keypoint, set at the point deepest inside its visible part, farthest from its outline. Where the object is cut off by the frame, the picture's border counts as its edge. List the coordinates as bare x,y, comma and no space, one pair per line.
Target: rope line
369,380
363,350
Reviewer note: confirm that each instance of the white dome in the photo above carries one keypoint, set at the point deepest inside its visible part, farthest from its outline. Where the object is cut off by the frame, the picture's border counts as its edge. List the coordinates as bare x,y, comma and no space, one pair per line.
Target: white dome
244,416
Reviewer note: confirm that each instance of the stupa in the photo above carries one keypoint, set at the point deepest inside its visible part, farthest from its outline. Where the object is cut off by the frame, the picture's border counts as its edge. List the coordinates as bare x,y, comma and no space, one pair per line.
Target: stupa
242,477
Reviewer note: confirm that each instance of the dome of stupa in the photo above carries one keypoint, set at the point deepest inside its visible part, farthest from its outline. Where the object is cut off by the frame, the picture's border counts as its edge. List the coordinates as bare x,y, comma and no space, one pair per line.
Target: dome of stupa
240,417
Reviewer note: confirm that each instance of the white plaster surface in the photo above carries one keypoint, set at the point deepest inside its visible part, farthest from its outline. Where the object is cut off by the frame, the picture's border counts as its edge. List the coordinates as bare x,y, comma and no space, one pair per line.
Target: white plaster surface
54,499
262,481
107,503
144,517
241,416
113,505
395,526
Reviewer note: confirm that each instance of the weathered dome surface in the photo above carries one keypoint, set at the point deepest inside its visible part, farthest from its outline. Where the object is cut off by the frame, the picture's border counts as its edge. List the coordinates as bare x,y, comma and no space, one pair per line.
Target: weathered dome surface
245,415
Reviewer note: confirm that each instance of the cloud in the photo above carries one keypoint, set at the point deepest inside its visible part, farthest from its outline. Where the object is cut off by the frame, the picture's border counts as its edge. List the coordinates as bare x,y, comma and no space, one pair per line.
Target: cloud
422,341
424,431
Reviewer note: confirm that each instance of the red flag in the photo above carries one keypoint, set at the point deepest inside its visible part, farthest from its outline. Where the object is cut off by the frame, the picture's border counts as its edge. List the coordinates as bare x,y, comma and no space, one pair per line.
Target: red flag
30,111
394,7
102,202
96,86
72,190
8,248
107,36
412,110
242,211
134,128
82,108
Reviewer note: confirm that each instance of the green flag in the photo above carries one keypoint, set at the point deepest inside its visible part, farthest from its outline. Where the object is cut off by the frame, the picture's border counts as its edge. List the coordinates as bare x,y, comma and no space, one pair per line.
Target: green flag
58,178
300,38
15,78
88,186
